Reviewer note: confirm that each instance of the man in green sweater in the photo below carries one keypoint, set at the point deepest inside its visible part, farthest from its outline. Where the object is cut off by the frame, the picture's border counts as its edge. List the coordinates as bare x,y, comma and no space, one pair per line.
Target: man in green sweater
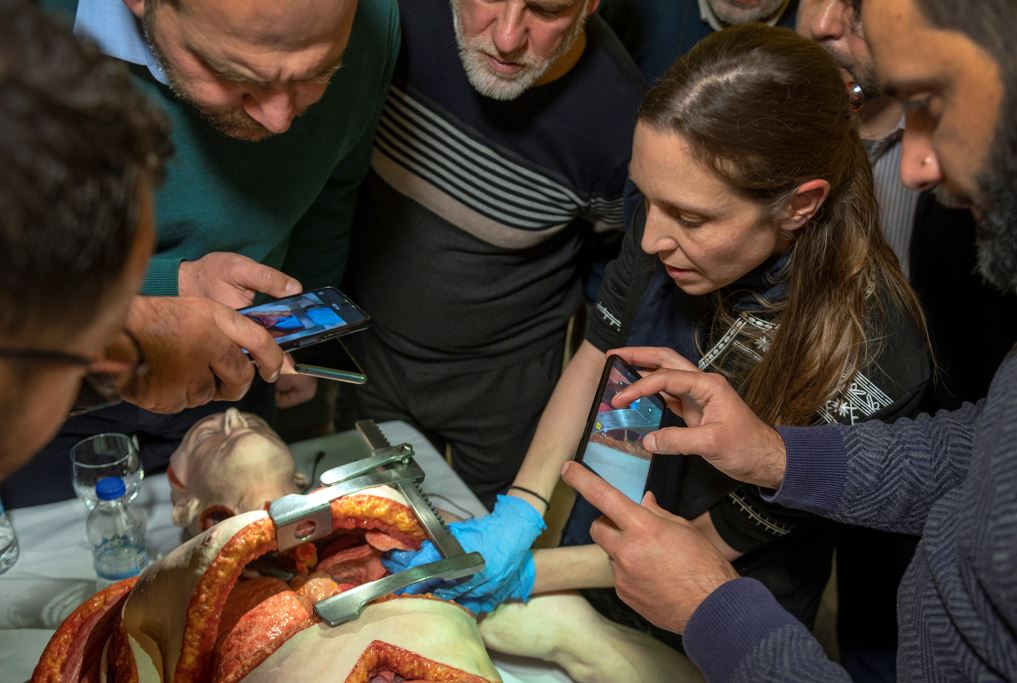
273,108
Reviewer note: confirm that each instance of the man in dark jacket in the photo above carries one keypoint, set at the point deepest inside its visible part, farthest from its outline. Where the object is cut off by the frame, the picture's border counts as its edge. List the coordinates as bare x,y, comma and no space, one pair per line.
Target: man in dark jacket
952,478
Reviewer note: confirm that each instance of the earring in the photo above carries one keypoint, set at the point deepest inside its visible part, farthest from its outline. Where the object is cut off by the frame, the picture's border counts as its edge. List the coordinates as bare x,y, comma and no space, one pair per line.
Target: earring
856,97
787,235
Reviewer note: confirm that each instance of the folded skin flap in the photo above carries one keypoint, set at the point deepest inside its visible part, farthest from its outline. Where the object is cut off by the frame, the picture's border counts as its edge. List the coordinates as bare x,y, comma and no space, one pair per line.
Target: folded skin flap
75,649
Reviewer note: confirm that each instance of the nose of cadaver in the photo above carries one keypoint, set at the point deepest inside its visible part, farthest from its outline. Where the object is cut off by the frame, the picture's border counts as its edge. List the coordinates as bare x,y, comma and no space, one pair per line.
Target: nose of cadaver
208,611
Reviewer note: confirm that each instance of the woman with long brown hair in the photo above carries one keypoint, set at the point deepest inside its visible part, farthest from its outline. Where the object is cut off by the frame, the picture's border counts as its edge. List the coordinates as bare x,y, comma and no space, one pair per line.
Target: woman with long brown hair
755,252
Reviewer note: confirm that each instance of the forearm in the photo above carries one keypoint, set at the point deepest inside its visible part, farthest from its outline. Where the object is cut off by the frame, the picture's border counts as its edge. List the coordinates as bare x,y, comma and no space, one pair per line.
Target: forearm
571,568
893,485
741,633
875,474
143,316
561,425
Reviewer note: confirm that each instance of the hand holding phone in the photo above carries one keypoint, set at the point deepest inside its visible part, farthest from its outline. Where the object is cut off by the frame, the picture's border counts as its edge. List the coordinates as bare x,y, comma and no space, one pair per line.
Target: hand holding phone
232,279
309,318
613,443
193,347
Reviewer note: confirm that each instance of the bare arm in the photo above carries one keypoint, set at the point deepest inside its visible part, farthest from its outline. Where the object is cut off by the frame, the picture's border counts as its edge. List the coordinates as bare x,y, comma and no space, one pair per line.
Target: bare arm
571,568
505,536
561,424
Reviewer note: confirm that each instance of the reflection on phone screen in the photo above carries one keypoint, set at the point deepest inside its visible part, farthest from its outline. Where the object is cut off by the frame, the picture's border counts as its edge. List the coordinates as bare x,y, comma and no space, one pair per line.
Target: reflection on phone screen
614,447
296,317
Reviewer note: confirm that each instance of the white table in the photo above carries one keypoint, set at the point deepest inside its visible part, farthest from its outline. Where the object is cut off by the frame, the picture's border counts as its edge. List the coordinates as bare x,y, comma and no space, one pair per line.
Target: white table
54,573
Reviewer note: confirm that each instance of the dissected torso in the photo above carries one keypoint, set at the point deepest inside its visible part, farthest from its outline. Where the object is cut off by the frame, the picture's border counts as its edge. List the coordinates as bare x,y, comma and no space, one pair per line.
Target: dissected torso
201,613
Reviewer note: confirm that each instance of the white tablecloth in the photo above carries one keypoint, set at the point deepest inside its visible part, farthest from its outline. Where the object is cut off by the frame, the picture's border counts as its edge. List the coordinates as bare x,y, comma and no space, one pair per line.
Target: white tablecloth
54,573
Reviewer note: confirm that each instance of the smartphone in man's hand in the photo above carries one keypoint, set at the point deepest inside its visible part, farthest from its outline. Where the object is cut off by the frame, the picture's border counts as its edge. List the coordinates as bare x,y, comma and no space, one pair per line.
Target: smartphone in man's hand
308,318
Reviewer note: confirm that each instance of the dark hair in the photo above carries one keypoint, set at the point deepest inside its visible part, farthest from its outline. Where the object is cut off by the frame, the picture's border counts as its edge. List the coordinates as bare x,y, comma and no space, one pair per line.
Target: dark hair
988,23
767,110
77,143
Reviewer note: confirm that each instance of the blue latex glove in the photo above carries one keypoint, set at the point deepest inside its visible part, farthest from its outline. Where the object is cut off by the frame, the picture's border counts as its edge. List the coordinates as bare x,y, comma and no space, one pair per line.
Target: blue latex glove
503,538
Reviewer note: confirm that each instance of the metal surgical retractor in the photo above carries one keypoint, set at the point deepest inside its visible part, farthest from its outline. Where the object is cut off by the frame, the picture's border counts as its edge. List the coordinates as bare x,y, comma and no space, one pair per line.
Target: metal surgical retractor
304,518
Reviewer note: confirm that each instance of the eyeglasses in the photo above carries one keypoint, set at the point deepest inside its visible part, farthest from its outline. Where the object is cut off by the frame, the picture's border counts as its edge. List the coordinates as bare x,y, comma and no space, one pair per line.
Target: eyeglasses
103,378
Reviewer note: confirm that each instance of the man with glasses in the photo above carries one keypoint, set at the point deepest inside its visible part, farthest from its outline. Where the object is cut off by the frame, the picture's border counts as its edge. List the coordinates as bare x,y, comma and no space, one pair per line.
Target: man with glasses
272,112
81,152
103,379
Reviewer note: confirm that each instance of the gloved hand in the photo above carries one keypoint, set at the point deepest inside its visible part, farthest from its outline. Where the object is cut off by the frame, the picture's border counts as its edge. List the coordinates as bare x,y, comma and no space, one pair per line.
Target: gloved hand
503,538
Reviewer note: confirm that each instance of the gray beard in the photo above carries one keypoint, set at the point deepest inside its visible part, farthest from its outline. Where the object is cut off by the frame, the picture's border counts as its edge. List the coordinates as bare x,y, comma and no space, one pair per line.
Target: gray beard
997,232
506,89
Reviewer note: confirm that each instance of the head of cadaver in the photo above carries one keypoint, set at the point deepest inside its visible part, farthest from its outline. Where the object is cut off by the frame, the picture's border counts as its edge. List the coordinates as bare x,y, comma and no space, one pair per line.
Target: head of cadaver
207,611
228,463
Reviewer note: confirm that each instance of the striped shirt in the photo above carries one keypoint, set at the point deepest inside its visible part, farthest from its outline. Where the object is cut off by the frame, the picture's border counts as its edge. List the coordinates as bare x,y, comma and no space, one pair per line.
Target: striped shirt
475,210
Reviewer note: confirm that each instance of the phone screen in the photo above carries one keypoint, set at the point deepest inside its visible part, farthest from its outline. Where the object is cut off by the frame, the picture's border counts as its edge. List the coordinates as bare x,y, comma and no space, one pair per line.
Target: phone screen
308,317
613,444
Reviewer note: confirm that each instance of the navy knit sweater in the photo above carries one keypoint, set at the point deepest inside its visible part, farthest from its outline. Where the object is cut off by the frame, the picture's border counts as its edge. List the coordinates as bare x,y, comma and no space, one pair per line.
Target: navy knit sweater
952,478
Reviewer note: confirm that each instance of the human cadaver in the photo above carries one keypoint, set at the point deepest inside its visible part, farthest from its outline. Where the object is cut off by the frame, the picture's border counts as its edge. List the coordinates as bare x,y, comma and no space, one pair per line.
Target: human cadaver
206,612
228,463
225,606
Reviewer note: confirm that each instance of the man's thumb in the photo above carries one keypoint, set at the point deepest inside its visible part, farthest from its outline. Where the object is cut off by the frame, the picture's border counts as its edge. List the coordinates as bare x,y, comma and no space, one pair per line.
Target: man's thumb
267,280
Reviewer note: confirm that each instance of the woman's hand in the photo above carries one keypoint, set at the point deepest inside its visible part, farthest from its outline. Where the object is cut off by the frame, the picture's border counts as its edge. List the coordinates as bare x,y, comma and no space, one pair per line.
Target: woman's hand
294,390
503,538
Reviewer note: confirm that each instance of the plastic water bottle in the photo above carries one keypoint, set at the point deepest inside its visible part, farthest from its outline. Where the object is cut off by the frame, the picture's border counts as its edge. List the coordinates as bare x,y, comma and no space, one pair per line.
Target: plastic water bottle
117,534
8,542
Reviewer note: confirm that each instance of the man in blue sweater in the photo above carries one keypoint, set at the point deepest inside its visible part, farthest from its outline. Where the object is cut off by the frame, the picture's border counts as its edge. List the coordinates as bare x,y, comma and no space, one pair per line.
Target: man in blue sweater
951,478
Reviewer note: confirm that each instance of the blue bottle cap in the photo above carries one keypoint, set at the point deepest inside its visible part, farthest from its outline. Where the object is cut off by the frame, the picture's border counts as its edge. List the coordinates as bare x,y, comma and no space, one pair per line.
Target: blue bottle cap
110,488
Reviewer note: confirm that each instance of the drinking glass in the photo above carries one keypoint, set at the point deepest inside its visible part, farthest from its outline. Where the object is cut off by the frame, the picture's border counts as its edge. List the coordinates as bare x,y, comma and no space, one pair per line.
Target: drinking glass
105,455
